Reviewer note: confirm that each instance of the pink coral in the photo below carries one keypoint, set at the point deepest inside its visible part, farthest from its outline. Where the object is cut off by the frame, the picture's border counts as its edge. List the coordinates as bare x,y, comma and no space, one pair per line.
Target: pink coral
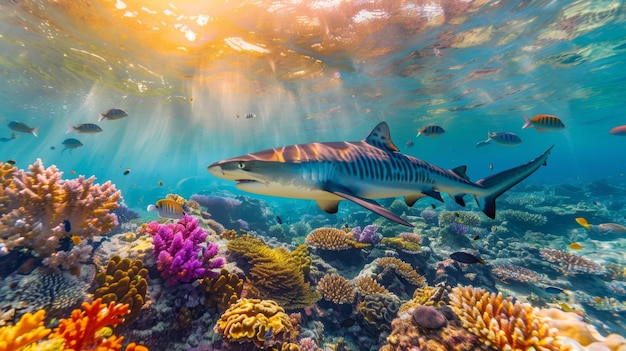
38,202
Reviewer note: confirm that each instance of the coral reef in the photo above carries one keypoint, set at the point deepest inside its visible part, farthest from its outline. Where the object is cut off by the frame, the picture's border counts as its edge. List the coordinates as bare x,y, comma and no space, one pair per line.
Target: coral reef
378,310
500,322
522,219
71,259
123,281
332,239
401,269
467,218
275,273
570,262
336,289
262,322
27,330
368,286
180,256
38,202
512,273
223,291
367,235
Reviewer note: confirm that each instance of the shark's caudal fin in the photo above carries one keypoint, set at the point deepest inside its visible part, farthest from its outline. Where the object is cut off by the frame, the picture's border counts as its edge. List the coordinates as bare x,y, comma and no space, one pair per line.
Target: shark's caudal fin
498,183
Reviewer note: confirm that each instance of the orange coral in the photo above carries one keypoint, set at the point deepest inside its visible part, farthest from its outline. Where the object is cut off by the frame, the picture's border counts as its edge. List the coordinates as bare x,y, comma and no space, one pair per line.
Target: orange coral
81,330
367,286
402,269
336,289
499,322
28,329
332,239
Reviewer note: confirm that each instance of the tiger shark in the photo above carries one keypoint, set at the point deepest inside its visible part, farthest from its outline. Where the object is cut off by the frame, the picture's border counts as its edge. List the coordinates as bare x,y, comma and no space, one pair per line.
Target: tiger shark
362,171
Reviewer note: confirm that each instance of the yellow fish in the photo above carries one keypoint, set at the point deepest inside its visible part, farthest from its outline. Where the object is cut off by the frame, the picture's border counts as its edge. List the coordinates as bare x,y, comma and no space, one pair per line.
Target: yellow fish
76,239
583,222
168,208
575,246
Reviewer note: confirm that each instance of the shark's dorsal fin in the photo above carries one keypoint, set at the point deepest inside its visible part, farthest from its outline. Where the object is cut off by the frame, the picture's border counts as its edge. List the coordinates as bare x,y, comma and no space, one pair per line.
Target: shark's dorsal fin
460,171
380,138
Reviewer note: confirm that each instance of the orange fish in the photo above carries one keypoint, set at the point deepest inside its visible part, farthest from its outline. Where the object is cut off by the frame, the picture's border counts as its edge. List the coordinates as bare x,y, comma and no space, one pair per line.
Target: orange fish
619,130
543,123
575,246
76,239
583,222
597,299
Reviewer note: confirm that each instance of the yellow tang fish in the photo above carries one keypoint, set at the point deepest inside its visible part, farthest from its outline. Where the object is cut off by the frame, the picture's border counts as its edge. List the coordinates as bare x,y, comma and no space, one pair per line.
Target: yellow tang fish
583,222
168,208
575,246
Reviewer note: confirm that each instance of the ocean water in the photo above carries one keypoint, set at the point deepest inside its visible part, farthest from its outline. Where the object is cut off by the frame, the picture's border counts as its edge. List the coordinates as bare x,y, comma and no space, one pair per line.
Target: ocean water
188,72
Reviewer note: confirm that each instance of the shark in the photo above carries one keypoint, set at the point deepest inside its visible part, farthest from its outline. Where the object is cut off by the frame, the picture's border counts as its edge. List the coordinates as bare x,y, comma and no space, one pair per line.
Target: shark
361,172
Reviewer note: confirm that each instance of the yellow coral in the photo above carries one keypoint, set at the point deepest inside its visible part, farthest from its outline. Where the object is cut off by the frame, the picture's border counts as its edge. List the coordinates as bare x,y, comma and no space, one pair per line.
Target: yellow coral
367,286
262,322
28,329
401,244
223,291
500,322
336,289
332,239
402,269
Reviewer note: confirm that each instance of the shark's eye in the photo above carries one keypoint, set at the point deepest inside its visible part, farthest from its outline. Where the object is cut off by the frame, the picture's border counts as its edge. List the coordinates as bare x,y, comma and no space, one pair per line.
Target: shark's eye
241,165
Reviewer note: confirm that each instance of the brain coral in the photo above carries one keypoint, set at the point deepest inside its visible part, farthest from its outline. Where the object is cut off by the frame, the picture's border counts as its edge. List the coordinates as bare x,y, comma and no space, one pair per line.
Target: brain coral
332,239
262,322
336,289
378,310
501,323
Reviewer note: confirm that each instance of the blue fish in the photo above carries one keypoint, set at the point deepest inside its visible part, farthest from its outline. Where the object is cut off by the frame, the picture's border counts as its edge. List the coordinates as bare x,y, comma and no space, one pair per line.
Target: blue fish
111,114
553,290
71,144
67,226
502,138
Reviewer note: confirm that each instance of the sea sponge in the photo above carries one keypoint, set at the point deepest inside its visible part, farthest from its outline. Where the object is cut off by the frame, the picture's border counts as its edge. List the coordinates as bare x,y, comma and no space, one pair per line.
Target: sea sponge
123,281
223,291
27,330
262,322
402,269
332,239
275,273
336,289
502,323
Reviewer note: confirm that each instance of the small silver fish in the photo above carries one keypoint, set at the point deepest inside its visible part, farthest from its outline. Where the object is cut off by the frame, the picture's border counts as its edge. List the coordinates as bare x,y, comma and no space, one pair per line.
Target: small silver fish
22,128
502,138
85,128
112,114
71,144
250,115
8,139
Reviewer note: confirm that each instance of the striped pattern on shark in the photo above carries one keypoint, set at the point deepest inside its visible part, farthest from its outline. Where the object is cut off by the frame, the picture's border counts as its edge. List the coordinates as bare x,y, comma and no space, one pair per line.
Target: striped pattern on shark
360,172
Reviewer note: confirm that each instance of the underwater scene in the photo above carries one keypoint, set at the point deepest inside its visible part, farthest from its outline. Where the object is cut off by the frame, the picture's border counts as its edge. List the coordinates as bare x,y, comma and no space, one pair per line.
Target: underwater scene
304,175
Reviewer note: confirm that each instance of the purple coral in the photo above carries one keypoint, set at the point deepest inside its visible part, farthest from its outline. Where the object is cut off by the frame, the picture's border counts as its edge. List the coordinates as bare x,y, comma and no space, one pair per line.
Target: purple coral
367,235
458,228
180,256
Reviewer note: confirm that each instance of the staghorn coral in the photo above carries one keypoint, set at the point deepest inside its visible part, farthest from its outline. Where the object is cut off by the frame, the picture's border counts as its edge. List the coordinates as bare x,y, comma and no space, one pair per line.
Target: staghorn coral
123,281
275,273
401,269
378,310
181,258
367,286
466,218
514,273
262,322
223,291
27,330
522,218
37,202
336,289
332,239
500,322
570,262
80,253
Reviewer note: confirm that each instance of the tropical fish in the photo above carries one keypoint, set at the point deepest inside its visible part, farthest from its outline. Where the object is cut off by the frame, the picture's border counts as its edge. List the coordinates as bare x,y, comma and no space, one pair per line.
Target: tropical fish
502,138
553,289
168,208
279,220
11,162
8,139
160,183
71,144
67,226
85,128
431,130
543,123
362,171
409,143
603,228
619,130
76,239
126,172
22,128
583,222
575,246
250,115
347,323
111,114
467,258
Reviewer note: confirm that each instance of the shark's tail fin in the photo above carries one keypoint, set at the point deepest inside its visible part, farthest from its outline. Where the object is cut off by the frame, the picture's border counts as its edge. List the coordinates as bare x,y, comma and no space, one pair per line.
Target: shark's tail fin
498,183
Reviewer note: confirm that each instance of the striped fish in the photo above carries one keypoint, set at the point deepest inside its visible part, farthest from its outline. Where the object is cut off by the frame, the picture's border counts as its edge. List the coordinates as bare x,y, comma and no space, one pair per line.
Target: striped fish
22,128
502,138
168,208
431,130
360,172
85,128
543,123
111,114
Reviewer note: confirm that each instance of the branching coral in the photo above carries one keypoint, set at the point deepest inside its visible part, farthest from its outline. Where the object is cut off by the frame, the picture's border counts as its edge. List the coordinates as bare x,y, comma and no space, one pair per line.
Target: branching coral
181,258
522,218
367,286
123,281
570,261
467,218
38,202
502,323
223,291
332,239
275,273
29,329
511,272
262,322
336,289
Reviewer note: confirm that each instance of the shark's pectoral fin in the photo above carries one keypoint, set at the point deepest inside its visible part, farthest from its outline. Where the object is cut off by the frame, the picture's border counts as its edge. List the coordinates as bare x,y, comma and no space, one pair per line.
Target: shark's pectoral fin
459,199
371,205
328,206
411,199
434,194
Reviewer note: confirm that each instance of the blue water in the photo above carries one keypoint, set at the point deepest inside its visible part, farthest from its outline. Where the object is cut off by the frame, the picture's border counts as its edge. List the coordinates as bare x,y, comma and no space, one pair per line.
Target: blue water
311,71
